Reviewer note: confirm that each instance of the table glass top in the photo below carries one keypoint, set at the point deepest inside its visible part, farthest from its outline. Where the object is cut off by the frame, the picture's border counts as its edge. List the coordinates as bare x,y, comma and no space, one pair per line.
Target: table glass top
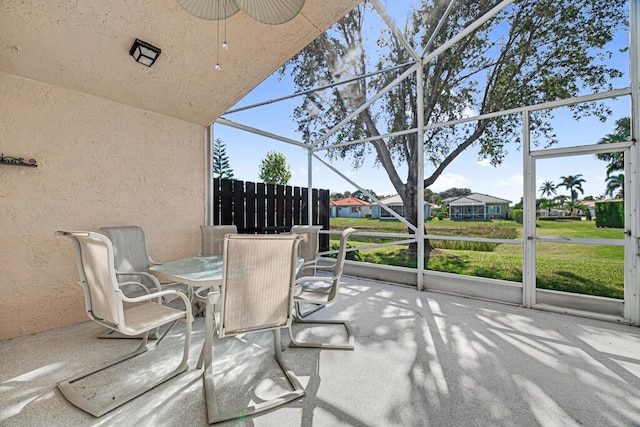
194,268
198,268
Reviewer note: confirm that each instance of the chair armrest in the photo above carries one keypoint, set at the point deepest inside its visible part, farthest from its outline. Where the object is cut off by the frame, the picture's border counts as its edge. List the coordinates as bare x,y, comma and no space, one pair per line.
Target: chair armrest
309,279
144,274
326,267
137,284
159,295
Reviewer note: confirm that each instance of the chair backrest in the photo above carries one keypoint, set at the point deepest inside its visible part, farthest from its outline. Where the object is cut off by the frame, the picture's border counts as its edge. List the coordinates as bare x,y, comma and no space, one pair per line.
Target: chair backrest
259,275
129,248
339,267
213,238
94,259
308,245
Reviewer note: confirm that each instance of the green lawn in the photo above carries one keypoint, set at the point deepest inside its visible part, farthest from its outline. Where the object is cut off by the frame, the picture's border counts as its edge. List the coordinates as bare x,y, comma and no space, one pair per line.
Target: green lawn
593,270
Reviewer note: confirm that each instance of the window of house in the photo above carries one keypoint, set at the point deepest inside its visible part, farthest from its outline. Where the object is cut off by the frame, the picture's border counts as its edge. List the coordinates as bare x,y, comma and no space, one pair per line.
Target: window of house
355,209
493,209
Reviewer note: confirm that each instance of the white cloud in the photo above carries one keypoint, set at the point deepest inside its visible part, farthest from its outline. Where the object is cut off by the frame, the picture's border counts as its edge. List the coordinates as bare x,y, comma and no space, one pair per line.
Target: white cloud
469,112
512,181
449,180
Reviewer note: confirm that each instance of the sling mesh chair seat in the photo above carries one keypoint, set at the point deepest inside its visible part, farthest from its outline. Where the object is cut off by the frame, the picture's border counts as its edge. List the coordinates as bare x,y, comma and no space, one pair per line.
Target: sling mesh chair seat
256,295
309,252
105,304
323,291
213,238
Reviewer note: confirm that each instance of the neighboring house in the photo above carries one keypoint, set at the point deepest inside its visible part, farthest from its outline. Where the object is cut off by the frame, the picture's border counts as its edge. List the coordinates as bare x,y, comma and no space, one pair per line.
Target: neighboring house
477,206
590,205
553,212
395,203
349,207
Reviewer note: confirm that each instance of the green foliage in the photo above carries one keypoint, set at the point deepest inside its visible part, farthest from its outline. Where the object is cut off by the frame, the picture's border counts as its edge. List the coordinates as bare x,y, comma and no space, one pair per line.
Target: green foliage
573,183
454,192
610,214
531,52
220,161
520,204
488,230
352,255
615,186
587,269
362,196
547,189
560,218
621,133
274,169
517,215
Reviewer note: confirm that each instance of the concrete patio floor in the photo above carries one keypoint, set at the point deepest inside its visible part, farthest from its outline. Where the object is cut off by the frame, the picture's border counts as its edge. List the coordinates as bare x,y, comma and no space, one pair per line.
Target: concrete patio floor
421,359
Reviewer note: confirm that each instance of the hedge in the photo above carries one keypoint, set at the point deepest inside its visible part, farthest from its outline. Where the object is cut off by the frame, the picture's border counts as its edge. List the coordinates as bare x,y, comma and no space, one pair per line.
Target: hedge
610,214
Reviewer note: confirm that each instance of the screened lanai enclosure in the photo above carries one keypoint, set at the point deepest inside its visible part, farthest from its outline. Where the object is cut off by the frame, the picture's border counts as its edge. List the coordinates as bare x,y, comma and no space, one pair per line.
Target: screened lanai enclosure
527,92
528,108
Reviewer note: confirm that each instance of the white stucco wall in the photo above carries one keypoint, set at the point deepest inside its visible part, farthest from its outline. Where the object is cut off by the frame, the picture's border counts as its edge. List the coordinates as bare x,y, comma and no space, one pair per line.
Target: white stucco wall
100,163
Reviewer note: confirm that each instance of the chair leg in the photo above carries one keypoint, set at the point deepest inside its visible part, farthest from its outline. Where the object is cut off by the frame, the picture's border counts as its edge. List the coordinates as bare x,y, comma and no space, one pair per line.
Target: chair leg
79,400
216,416
350,339
112,335
303,314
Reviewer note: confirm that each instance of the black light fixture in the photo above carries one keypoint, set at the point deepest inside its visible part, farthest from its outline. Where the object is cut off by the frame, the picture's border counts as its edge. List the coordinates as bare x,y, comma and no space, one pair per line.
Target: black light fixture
144,53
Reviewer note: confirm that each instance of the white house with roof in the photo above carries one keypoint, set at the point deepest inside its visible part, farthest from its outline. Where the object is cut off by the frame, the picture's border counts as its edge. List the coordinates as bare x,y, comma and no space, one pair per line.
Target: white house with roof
349,207
396,204
477,206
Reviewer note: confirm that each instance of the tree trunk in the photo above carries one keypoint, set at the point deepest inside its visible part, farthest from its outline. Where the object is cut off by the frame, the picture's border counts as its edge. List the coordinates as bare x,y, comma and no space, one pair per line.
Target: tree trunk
411,210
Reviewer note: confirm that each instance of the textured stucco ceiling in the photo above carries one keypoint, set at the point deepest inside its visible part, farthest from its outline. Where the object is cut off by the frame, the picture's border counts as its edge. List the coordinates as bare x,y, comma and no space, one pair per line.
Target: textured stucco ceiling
83,45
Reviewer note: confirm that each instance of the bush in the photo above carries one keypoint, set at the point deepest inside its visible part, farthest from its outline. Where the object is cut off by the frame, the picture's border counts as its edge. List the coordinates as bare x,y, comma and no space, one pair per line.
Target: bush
353,255
610,214
440,216
518,215
561,218
487,232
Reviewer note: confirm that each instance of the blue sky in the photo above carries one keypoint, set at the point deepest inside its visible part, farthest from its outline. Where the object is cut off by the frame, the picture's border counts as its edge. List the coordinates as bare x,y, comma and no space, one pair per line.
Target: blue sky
246,150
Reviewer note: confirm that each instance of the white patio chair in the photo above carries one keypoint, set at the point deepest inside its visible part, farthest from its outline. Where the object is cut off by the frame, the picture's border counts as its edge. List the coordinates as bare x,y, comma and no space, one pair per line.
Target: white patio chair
309,252
105,304
256,295
132,262
131,258
323,290
213,238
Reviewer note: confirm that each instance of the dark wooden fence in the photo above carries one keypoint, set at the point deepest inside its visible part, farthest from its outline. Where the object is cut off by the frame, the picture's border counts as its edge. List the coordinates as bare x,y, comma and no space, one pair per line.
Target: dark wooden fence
268,208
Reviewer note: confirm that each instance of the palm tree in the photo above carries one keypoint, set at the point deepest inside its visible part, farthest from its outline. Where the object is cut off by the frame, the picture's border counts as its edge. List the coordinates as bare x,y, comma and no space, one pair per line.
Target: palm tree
573,183
548,189
615,184
561,199
621,133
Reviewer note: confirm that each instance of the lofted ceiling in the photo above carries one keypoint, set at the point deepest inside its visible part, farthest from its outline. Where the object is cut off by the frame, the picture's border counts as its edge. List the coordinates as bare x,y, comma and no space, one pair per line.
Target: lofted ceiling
83,45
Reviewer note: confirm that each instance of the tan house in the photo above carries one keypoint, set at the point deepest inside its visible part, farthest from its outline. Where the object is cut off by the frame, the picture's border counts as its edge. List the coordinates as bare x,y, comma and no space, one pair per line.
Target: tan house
477,206
396,204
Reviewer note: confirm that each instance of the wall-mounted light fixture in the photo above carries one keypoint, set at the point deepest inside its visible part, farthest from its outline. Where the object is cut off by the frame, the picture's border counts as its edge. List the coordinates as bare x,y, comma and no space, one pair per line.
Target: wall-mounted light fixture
144,53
